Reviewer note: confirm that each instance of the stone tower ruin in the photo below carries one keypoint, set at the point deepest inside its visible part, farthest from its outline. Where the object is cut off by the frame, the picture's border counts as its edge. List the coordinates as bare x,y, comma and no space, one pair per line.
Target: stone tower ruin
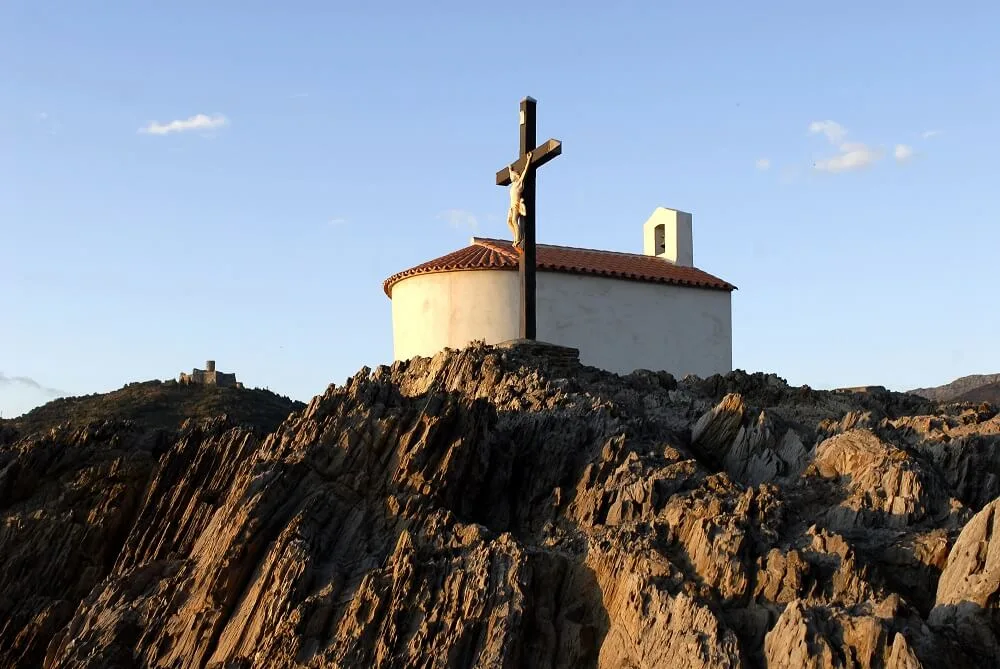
210,377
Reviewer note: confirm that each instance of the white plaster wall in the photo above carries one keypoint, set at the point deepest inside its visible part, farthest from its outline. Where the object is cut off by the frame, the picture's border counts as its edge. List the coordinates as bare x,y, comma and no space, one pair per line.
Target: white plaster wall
432,311
627,325
617,325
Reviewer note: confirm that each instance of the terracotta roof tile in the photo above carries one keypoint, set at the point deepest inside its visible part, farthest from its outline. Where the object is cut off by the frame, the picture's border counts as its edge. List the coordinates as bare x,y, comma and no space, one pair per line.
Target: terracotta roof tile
500,254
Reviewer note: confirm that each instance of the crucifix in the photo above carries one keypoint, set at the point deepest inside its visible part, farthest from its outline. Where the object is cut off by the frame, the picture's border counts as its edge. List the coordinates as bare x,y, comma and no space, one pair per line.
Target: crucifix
520,176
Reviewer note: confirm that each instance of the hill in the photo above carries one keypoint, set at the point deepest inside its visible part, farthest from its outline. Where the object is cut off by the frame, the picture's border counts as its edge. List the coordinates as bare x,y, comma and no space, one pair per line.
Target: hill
497,507
159,404
989,392
964,388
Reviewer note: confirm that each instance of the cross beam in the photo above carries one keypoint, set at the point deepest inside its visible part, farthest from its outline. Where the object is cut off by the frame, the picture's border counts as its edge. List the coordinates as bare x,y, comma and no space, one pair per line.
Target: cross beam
527,262
539,156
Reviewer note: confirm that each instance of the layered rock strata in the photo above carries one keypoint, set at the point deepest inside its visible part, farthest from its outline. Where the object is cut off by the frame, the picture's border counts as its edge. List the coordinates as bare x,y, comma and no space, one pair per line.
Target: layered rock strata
492,508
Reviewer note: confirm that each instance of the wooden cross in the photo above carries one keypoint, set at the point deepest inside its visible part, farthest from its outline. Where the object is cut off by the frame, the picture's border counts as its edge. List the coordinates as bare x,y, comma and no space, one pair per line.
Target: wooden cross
527,263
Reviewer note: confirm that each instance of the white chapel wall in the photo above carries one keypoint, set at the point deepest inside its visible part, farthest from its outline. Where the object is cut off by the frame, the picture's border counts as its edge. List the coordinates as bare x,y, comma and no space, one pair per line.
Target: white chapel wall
627,325
616,324
452,309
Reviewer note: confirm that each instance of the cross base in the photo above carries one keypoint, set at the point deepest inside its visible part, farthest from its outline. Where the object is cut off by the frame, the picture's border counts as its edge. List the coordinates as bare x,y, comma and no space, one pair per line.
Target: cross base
535,345
557,359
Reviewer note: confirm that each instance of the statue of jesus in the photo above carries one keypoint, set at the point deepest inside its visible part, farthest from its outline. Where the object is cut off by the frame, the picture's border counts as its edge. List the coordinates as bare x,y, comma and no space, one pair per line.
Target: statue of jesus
517,208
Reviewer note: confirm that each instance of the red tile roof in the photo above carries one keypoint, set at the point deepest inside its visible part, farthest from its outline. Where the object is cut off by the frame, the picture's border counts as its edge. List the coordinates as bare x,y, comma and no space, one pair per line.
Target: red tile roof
499,254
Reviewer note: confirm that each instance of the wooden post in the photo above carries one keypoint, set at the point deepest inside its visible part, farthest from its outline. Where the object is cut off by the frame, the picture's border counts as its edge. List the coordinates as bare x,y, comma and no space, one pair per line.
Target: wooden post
527,264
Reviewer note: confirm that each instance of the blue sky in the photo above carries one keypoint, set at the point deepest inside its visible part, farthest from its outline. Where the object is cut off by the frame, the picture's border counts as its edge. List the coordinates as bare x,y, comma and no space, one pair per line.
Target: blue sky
234,180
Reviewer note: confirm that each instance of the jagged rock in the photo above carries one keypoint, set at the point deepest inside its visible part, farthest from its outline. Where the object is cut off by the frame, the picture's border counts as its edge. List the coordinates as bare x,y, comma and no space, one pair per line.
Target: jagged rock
911,563
883,486
834,637
748,450
68,500
505,507
968,594
971,466
964,445
715,431
852,420
751,458
652,621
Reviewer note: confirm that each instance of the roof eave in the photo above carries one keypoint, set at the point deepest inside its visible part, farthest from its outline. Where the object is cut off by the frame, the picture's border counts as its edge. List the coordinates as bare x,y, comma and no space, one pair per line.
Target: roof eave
389,283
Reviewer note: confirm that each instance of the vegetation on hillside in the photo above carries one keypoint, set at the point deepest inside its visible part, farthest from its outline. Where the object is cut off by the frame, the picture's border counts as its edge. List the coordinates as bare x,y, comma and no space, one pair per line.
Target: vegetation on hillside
159,404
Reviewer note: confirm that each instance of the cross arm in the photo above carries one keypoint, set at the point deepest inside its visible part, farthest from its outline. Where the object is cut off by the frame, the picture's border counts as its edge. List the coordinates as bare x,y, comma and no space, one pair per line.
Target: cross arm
539,156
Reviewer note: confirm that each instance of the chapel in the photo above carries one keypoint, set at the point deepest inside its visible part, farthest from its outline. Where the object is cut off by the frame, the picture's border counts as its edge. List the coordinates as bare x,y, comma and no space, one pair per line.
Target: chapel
622,311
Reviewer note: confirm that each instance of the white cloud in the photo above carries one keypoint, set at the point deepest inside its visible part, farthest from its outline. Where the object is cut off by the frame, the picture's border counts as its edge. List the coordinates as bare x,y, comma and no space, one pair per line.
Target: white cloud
196,122
337,222
834,132
903,152
28,382
851,156
459,218
763,164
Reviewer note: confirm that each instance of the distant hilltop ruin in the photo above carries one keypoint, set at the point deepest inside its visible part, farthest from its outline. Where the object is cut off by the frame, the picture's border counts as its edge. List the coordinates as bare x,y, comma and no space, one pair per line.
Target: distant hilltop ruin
209,377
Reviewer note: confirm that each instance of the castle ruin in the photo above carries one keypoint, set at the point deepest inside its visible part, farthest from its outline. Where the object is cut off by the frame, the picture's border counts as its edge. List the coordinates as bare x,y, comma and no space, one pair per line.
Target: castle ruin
210,377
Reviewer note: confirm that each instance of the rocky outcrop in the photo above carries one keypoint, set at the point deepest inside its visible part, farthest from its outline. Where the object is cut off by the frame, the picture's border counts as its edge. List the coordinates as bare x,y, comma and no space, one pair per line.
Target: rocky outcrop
968,593
807,636
68,501
507,508
883,486
964,445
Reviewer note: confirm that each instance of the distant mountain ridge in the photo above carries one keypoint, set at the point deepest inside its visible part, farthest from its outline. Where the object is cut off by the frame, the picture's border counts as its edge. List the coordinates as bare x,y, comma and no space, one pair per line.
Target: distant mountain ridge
988,393
972,388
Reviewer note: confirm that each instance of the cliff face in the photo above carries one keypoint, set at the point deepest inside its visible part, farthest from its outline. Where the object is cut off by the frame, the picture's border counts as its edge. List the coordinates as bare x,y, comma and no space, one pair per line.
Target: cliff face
509,508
